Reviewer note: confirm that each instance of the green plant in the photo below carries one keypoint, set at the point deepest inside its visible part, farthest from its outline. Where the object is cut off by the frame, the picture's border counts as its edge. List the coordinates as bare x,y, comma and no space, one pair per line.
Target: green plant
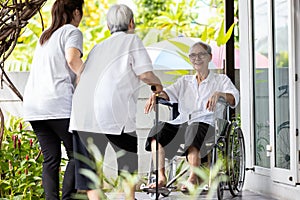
125,182
178,18
21,166
214,176
93,26
262,140
282,59
148,10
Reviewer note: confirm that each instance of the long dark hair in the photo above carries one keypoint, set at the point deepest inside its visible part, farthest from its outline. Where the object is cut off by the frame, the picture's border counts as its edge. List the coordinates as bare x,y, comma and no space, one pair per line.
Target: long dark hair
62,13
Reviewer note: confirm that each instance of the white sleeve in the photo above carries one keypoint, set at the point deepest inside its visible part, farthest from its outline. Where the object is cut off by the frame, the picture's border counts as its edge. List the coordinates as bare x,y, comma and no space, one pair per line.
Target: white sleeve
140,59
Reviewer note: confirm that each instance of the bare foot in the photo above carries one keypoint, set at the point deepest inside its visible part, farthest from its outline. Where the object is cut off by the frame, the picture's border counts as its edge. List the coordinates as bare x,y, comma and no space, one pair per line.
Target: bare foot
193,181
161,183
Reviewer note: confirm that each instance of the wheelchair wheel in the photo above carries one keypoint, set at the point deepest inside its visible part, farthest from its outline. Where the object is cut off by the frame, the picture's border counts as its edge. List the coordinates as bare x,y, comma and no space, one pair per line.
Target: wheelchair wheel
220,190
235,152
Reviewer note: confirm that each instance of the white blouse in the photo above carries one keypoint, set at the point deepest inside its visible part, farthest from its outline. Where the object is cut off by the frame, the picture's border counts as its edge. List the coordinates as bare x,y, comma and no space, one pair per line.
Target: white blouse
192,98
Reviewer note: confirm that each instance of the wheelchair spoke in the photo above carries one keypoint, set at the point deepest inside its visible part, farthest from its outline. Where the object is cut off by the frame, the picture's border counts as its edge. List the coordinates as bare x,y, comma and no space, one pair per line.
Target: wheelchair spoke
235,152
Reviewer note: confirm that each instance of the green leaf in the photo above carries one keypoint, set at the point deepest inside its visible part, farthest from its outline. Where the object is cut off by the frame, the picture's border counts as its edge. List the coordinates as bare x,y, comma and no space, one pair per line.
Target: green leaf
183,47
184,56
151,37
37,178
229,33
204,35
178,72
222,38
221,35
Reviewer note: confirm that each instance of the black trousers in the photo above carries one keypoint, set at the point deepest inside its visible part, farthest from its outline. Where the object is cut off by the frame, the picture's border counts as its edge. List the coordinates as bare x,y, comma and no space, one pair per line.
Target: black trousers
51,133
126,142
171,136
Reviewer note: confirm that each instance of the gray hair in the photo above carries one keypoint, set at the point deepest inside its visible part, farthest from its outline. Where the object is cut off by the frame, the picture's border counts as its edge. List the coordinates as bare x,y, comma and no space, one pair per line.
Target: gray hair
207,47
118,17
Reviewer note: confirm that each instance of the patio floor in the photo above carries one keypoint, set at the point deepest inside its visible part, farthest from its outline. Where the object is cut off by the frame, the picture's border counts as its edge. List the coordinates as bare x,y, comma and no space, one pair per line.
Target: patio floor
246,195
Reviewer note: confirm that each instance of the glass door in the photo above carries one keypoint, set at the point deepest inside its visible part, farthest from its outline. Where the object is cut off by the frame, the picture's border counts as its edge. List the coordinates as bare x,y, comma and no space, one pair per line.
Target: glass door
281,85
283,161
261,15
274,90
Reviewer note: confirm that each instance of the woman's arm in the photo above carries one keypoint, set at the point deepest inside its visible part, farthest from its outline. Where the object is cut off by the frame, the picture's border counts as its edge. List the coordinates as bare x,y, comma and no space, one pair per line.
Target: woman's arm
73,57
151,79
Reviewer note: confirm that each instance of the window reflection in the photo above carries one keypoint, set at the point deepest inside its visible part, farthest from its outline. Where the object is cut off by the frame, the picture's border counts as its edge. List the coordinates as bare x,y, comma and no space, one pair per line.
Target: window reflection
261,81
281,85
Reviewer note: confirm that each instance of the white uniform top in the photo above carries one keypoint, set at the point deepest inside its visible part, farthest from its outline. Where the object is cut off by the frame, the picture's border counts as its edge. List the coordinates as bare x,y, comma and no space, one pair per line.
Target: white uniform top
105,98
50,86
192,98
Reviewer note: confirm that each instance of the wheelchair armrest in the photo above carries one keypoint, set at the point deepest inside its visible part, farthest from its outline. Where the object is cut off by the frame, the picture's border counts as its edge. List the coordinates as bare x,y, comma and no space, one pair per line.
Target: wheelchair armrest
174,106
222,100
164,102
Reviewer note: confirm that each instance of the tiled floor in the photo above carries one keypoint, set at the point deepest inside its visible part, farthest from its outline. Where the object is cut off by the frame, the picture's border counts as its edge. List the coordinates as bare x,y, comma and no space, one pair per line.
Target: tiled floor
246,195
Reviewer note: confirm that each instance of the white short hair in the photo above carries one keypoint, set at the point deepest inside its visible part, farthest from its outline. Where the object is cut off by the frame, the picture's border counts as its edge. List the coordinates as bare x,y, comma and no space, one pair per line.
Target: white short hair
207,47
118,17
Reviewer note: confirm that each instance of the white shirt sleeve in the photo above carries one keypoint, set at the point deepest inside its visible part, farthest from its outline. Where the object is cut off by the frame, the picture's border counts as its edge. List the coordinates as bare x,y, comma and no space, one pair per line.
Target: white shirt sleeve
74,39
140,60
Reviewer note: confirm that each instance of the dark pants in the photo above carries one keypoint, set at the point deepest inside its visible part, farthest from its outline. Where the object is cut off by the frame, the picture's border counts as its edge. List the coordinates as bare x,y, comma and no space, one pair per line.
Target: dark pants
51,133
126,142
171,136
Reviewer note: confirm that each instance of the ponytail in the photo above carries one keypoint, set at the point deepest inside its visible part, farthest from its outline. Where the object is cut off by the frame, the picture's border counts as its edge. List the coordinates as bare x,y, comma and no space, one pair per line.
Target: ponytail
62,13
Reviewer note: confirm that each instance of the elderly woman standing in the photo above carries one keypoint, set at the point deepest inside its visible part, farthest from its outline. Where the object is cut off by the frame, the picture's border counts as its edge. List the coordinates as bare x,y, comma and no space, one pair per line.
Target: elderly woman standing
49,91
105,100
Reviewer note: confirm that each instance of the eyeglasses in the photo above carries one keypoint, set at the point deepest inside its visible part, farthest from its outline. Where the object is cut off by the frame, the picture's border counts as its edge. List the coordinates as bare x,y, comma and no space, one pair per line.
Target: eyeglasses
201,55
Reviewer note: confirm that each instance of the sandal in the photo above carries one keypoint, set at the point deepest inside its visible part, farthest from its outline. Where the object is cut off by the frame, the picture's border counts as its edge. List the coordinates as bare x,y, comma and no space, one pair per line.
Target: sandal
161,184
184,189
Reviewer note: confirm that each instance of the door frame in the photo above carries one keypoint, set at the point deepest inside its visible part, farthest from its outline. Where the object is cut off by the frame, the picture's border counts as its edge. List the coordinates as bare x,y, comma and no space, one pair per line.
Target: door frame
286,176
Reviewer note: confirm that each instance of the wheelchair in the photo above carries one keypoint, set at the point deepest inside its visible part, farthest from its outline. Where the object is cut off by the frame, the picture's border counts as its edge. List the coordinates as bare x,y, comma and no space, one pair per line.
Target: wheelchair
228,146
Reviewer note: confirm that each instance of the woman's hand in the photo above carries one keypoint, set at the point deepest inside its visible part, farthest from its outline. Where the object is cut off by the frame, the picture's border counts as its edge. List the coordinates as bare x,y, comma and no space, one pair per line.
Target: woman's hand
150,103
152,100
212,101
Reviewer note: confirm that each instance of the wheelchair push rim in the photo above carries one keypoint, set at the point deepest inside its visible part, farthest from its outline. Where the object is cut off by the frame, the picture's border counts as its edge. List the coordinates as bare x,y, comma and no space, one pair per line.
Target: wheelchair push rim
235,152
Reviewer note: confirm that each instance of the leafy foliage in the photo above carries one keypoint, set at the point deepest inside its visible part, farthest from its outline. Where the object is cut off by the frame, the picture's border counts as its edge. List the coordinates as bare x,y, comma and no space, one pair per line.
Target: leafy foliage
93,26
148,10
21,166
156,20
125,182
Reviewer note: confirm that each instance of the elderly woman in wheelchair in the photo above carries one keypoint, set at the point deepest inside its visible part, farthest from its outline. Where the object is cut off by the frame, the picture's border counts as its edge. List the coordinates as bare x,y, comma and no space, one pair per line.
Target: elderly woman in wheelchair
197,96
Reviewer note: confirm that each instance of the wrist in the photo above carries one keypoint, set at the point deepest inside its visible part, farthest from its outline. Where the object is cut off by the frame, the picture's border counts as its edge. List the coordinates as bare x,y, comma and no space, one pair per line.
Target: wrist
161,94
159,88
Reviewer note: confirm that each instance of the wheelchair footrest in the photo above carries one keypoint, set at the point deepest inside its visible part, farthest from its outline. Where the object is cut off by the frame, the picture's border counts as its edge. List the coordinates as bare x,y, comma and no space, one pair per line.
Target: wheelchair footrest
161,190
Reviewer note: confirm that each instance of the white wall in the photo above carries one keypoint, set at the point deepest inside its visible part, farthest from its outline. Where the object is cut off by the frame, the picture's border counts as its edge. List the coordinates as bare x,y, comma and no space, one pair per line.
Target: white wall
9,101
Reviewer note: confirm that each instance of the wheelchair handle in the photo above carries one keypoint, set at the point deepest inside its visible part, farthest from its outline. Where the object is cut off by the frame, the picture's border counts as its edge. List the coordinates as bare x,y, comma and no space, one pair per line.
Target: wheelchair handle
153,88
160,100
222,100
164,102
